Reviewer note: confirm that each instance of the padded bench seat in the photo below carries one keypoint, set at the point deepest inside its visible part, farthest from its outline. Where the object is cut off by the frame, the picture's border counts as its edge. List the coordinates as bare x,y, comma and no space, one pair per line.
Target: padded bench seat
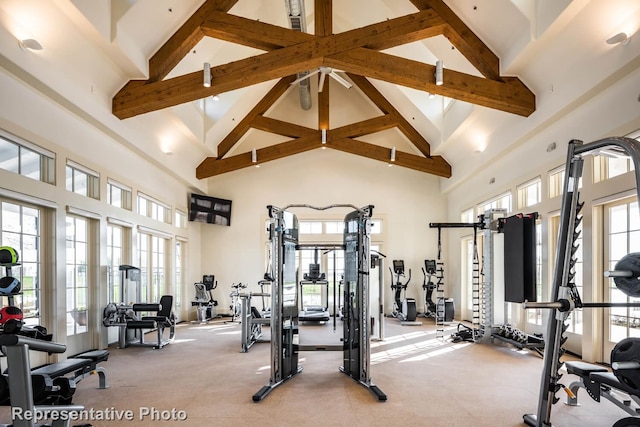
599,382
81,365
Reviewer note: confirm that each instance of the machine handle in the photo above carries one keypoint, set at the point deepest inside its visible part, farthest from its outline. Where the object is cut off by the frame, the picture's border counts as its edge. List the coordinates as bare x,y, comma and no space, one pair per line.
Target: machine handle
618,273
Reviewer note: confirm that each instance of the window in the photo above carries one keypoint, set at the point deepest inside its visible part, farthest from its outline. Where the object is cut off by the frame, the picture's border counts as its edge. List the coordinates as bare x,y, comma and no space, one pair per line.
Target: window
467,216
310,227
21,231
334,227
26,159
535,316
575,320
152,208
181,219
179,282
114,260
376,226
501,202
77,283
610,163
529,193
152,261
118,195
82,180
623,237
556,182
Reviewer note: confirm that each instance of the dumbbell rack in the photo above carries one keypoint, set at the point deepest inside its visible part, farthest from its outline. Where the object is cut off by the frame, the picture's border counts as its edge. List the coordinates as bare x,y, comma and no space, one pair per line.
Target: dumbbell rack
17,349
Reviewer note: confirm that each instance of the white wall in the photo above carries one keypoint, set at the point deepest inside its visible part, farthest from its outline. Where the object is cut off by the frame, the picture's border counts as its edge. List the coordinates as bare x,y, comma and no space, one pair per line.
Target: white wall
406,200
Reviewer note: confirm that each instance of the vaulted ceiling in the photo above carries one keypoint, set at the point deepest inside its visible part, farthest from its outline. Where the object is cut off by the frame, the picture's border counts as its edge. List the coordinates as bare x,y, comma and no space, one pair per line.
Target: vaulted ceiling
133,70
358,52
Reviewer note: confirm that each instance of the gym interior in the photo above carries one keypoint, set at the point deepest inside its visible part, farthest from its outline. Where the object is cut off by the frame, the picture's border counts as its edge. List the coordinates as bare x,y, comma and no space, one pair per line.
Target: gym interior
215,212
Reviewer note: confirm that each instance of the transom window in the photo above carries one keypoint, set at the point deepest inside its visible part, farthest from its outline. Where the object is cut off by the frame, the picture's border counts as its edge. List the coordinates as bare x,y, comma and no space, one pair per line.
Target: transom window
82,180
152,208
118,195
21,157
529,194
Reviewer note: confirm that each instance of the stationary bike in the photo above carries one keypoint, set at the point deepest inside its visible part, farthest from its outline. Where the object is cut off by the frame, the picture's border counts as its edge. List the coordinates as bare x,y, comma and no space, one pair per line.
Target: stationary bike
428,286
403,309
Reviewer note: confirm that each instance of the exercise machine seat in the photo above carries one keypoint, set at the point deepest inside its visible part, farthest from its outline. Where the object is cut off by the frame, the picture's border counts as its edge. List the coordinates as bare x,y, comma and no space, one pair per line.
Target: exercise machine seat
583,369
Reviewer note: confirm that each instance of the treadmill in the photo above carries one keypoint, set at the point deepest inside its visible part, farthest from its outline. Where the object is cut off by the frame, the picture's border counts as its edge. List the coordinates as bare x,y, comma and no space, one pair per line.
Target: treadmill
314,313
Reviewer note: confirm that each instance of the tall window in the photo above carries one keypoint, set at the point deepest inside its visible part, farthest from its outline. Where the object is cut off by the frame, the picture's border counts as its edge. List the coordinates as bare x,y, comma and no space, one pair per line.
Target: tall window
114,260
19,156
118,195
158,261
143,262
575,320
21,231
82,180
535,316
623,238
529,193
77,283
179,272
152,259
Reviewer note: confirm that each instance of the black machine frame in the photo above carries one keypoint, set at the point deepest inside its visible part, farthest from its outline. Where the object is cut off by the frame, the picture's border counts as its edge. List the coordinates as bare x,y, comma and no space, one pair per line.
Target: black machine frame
564,294
283,236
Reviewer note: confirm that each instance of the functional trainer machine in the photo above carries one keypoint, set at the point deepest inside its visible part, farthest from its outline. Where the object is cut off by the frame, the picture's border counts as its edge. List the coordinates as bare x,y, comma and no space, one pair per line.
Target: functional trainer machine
565,296
283,235
404,309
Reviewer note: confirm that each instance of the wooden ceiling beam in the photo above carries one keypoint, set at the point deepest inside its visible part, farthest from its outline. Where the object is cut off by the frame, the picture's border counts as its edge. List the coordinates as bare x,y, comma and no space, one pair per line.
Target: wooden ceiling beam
260,108
213,166
461,36
434,165
183,40
248,32
384,105
509,95
283,128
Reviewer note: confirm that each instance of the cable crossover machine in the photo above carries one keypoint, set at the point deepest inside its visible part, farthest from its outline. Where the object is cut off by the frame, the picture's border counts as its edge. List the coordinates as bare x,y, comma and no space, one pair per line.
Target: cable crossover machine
625,357
283,236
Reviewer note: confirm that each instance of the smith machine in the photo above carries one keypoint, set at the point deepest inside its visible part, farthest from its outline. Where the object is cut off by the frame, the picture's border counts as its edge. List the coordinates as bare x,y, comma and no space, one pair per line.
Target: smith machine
565,295
283,235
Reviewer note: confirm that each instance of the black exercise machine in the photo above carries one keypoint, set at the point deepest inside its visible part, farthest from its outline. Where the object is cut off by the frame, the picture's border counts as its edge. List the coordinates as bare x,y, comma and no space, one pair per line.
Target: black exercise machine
404,309
137,318
429,287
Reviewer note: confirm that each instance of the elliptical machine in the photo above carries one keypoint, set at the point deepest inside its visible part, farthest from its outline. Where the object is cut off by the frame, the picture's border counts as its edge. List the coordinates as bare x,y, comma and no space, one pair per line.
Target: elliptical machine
428,286
404,309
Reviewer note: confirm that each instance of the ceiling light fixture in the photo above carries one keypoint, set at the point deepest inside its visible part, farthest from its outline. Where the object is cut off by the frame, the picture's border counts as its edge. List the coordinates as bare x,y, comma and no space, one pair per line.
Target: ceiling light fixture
254,157
620,38
30,44
439,68
393,154
323,136
207,75
216,98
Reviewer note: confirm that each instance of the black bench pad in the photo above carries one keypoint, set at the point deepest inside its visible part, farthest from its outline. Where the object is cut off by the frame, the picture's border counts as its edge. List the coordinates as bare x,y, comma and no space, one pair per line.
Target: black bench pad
94,355
62,368
583,369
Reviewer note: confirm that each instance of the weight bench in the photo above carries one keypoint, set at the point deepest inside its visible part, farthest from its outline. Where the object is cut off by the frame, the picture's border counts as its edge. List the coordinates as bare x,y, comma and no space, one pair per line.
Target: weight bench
599,382
81,366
